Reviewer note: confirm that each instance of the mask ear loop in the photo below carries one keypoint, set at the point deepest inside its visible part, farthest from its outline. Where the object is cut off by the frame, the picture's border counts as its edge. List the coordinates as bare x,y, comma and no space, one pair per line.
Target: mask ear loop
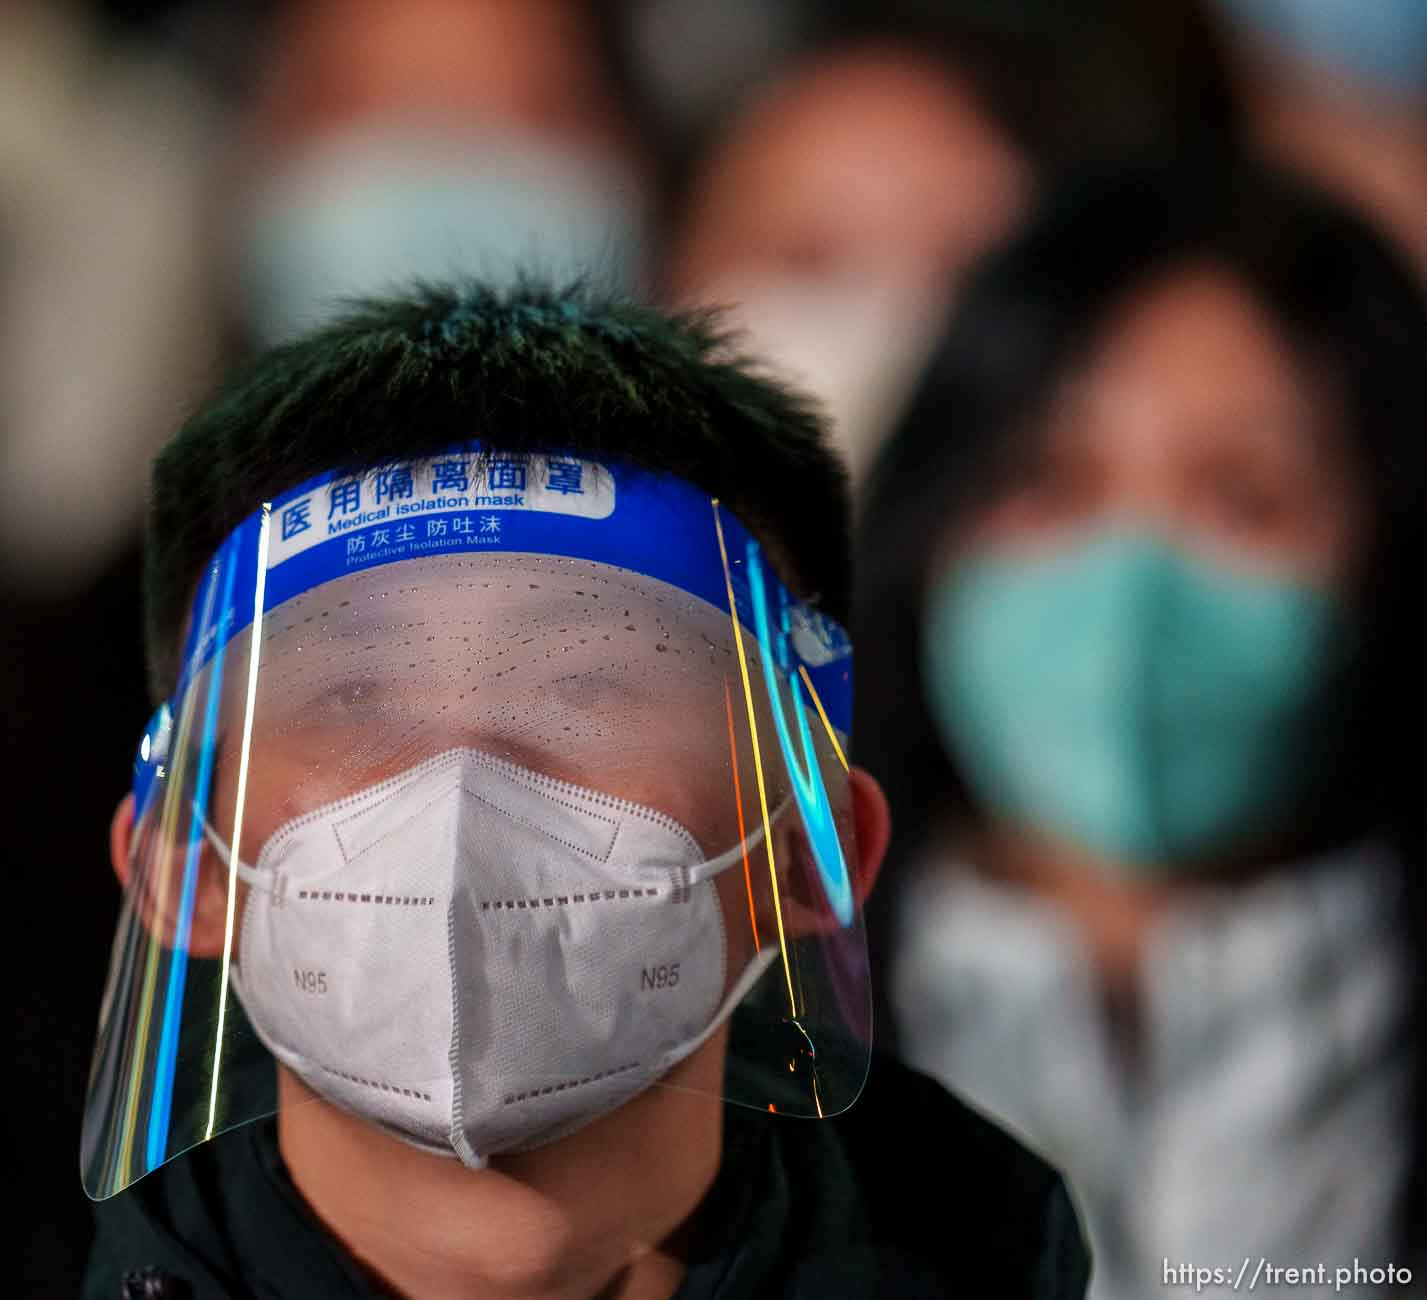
249,874
696,874
712,867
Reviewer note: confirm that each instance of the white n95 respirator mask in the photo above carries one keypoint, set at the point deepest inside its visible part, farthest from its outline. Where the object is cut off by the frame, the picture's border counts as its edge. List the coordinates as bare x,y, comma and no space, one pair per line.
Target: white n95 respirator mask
482,959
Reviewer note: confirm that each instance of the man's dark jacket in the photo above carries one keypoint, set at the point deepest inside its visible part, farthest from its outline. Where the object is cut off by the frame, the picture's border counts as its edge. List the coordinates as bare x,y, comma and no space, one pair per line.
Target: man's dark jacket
910,1194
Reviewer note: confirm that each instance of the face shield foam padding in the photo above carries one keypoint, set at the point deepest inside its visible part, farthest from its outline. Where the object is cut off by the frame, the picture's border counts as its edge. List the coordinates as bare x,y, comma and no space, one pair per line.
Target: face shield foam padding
636,672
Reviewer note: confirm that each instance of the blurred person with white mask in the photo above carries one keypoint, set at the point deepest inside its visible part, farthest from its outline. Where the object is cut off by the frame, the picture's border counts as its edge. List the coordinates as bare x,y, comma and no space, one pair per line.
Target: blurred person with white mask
1133,570
838,213
836,217
392,141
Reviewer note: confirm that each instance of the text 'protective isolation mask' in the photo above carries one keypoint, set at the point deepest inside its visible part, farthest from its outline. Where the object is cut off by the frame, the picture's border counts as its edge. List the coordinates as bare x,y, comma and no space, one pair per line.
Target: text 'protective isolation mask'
491,788
1148,704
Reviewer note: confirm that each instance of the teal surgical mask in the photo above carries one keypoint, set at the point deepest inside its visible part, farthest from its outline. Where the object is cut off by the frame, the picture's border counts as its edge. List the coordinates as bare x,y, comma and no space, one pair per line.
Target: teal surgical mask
1146,703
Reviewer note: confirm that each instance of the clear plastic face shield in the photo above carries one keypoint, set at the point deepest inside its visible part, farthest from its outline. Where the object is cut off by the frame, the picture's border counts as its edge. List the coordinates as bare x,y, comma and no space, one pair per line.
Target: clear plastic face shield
492,790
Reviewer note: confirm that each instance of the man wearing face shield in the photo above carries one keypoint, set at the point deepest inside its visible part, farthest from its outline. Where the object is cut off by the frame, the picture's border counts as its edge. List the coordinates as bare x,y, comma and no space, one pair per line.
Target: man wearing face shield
493,871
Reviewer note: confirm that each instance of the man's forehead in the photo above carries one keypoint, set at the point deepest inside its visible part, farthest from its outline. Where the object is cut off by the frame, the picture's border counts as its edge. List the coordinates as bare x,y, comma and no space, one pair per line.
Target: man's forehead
482,602
514,637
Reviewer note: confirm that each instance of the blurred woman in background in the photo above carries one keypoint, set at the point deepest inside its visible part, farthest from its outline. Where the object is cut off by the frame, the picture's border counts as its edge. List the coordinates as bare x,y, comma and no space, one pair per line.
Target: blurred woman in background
1136,673
836,216
838,209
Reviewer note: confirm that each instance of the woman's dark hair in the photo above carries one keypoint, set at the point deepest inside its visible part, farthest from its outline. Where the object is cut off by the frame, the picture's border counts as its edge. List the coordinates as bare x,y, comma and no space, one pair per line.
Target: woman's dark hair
1343,297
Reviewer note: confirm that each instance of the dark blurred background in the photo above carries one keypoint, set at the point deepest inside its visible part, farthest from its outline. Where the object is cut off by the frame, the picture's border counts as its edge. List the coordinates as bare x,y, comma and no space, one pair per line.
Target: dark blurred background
183,182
